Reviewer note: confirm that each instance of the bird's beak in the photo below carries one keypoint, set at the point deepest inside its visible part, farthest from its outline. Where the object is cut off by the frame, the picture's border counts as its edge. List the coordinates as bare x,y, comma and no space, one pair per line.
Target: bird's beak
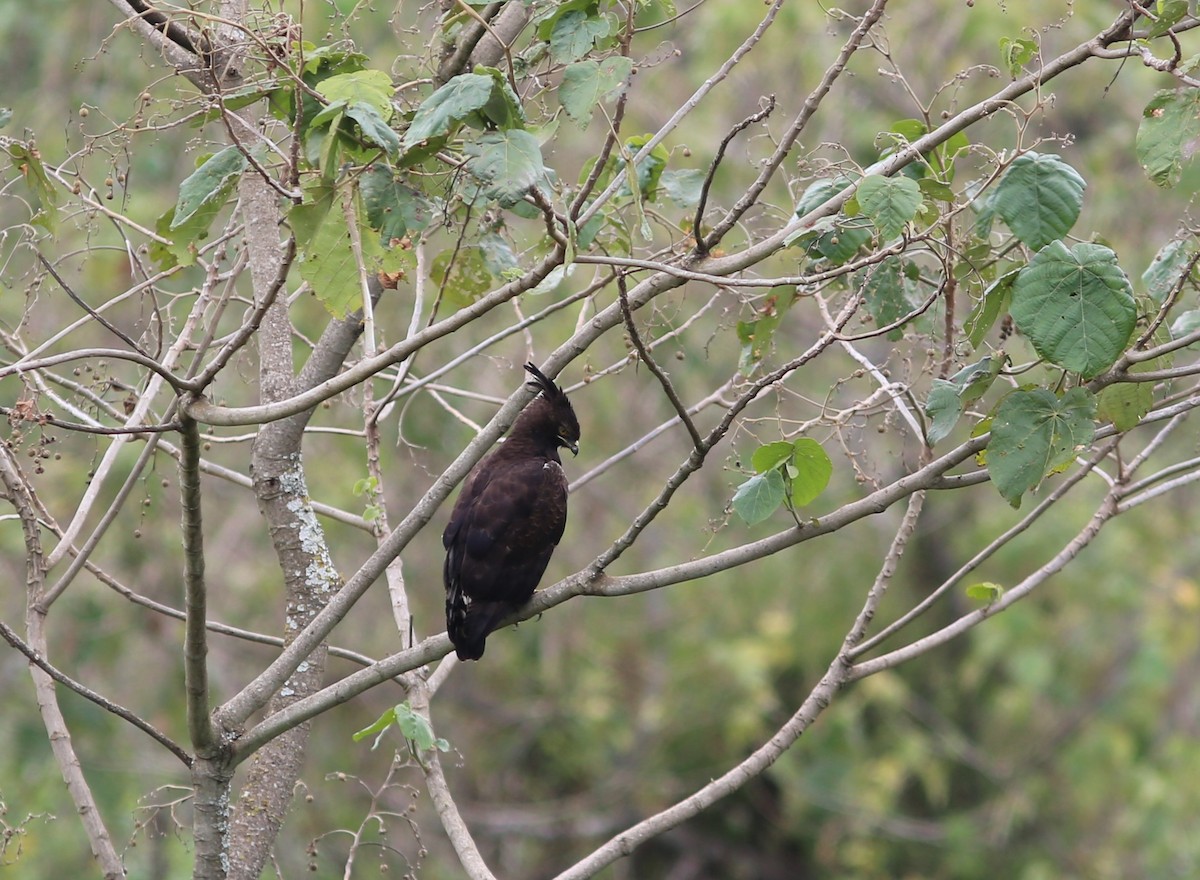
574,447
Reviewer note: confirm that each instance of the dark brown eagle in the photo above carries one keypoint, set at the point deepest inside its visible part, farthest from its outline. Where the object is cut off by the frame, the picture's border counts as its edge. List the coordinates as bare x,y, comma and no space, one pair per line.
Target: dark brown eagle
508,520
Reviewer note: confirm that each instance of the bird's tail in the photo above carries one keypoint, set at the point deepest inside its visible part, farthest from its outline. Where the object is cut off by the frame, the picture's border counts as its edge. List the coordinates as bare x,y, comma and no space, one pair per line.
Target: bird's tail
469,623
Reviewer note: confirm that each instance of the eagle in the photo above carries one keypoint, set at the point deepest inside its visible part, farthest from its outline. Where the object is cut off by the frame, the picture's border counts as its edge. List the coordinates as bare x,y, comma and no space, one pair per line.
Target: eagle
508,519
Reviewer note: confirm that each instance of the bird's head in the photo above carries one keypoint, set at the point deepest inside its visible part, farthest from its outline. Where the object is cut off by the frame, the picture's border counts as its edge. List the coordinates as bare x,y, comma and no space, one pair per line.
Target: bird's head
558,414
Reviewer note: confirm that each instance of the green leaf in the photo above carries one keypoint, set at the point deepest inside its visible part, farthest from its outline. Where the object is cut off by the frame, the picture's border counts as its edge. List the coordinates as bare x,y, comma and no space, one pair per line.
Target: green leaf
1076,306
1039,198
986,592
546,26
448,106
683,186
982,203
1164,271
503,109
944,405
393,208
1169,134
948,398
508,163
28,162
1186,324
932,188
649,168
1015,54
415,727
382,723
1170,13
756,336
574,33
586,83
890,203
327,260
183,238
498,255
1125,403
759,497
974,380
811,471
1034,434
887,294
772,455
370,87
374,128
209,184
465,279
331,59
995,302
837,240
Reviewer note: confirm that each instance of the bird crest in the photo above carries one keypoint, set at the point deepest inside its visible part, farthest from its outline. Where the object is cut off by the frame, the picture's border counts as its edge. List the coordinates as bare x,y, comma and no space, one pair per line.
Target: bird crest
556,411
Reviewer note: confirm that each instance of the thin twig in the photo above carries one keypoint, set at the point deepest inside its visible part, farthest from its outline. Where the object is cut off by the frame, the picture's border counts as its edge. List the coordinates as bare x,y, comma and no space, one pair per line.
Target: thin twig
103,321
652,365
88,694
703,245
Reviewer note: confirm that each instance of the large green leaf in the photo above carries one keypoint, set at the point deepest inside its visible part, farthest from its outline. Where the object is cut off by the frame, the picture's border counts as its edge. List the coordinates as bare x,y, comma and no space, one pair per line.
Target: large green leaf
327,260
393,207
586,83
890,203
183,241
943,406
795,471
1015,54
449,106
1168,134
370,87
1076,306
1034,434
756,336
508,163
574,33
649,168
209,184
1039,198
